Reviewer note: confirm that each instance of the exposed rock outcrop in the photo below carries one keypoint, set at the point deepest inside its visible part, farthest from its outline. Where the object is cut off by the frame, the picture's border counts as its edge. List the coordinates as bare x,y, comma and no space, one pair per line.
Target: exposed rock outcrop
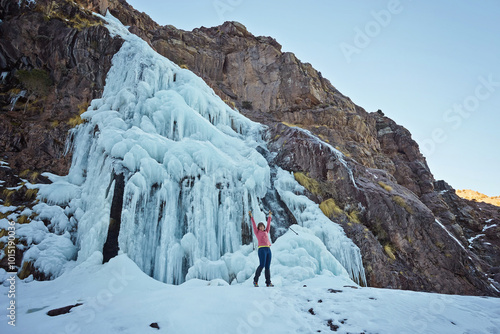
403,244
54,57
479,224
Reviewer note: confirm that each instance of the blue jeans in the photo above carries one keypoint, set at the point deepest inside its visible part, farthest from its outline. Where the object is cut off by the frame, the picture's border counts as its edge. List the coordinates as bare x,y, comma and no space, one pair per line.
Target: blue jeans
265,262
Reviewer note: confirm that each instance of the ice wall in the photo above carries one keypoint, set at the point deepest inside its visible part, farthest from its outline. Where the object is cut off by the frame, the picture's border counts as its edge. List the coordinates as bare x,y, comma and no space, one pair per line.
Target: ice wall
191,168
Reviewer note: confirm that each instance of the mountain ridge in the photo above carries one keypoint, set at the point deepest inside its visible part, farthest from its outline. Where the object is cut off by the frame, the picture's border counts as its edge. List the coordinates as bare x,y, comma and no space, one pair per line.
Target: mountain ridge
478,197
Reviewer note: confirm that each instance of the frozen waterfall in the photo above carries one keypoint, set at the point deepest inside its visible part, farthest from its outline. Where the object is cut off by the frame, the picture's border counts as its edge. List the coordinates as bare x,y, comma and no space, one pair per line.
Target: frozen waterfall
191,171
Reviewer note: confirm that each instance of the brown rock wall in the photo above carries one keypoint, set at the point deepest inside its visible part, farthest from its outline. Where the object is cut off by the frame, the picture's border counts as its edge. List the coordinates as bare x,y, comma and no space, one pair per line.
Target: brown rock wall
72,50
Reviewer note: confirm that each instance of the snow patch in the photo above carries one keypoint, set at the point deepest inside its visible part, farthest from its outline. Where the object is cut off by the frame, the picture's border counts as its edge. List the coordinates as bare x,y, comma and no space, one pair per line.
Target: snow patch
451,235
489,226
51,256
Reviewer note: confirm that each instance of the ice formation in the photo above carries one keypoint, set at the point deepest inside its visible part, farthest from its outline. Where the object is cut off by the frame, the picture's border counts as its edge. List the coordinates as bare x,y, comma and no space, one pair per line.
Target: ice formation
191,172
338,155
309,215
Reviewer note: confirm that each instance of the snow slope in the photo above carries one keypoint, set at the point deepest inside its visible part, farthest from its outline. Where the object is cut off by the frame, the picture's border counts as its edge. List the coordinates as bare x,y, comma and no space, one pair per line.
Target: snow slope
118,297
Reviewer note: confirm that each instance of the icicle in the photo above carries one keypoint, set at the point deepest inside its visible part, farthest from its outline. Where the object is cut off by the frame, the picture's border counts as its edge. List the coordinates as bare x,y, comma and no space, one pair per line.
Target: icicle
308,214
339,155
13,101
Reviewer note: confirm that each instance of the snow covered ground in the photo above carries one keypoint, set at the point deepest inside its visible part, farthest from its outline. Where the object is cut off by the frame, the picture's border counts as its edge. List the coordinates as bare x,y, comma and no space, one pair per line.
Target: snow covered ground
118,297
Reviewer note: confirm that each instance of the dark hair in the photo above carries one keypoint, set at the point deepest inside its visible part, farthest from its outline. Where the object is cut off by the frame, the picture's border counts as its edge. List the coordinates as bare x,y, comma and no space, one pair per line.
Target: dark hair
261,223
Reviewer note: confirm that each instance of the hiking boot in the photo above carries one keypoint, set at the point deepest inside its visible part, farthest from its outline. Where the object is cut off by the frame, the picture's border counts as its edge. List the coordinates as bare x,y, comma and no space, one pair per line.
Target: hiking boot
255,284
270,285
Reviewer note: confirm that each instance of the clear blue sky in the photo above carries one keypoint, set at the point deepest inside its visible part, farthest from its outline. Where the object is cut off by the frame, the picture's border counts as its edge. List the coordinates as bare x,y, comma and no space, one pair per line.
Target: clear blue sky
432,66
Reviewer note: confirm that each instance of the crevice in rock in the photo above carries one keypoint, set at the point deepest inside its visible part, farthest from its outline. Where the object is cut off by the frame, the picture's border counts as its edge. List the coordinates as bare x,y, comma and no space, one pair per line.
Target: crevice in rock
110,248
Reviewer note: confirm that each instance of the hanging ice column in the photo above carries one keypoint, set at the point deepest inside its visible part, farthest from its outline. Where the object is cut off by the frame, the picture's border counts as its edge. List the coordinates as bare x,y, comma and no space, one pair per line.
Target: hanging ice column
190,165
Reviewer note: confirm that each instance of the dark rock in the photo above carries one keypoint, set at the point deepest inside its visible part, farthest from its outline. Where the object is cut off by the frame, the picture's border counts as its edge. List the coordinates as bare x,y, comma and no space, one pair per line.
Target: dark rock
111,247
334,291
75,54
441,185
332,326
62,310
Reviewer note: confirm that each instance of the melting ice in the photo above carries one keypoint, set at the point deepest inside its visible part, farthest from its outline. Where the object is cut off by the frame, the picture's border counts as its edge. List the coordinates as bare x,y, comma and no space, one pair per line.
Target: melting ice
191,172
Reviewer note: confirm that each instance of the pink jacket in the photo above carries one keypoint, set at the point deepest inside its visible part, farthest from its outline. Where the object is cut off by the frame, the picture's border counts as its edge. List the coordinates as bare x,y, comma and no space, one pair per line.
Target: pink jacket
262,236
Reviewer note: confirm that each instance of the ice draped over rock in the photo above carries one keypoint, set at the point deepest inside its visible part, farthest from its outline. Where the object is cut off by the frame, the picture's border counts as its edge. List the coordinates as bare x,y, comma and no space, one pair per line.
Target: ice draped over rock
189,163
191,169
309,215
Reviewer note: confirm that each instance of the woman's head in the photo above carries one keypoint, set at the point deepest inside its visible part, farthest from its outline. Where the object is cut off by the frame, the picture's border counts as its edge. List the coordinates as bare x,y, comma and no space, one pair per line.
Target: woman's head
261,226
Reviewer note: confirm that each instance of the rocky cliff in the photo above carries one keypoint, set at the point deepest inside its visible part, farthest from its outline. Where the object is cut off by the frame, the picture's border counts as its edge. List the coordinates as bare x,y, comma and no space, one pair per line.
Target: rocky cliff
364,170
54,60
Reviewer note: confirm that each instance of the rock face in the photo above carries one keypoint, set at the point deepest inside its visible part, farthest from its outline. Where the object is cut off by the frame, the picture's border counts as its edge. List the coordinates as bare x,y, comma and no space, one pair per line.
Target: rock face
272,80
403,244
363,169
54,57
479,224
